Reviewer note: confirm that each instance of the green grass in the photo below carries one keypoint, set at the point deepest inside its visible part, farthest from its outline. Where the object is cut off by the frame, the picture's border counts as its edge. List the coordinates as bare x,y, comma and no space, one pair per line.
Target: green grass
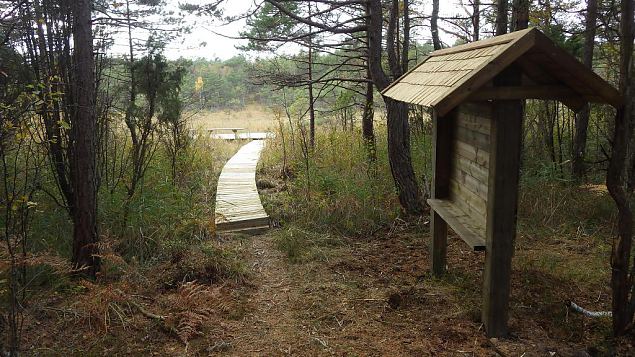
206,263
301,245
342,192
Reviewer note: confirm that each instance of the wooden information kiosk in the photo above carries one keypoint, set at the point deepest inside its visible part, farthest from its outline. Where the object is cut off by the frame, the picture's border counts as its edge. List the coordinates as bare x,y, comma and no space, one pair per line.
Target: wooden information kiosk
475,92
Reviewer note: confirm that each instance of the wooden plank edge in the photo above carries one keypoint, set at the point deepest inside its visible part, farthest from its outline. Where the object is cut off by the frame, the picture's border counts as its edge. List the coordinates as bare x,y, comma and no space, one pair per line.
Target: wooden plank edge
467,235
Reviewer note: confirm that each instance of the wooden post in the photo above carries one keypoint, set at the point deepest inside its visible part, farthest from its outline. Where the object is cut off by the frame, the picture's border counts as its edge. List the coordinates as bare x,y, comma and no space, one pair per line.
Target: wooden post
502,203
442,129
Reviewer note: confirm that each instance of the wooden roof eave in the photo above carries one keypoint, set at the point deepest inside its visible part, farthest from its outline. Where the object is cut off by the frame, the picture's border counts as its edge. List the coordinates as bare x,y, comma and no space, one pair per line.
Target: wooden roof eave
538,75
487,71
579,86
603,92
488,42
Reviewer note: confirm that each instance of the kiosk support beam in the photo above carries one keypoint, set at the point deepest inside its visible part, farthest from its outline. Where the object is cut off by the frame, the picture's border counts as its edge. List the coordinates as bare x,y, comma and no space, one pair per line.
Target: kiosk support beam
442,136
502,203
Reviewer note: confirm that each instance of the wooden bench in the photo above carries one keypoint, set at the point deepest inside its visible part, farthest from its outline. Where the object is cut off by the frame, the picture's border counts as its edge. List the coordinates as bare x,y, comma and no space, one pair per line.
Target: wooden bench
460,222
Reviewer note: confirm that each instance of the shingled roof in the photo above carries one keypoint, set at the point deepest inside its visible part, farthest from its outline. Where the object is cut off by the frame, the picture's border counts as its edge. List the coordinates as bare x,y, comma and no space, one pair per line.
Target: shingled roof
449,76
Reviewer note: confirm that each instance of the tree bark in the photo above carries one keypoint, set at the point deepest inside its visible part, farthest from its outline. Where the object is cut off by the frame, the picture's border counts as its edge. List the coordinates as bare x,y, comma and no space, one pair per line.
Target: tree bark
58,154
520,15
476,20
400,157
621,279
501,17
311,102
582,122
434,25
397,112
368,131
311,96
83,129
405,49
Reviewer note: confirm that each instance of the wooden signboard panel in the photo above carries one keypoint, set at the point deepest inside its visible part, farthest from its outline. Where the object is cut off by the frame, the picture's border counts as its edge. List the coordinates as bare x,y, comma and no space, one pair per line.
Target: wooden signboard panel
469,177
461,177
476,164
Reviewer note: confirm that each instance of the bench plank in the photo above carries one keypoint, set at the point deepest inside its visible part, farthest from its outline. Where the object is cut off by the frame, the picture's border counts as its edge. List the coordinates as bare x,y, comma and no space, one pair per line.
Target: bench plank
461,222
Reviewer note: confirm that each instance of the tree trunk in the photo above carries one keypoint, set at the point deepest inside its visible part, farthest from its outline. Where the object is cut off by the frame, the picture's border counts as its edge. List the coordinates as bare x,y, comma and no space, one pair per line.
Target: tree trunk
368,131
397,113
405,55
501,17
434,25
51,119
368,114
311,103
582,123
520,15
400,157
311,98
83,129
621,279
476,19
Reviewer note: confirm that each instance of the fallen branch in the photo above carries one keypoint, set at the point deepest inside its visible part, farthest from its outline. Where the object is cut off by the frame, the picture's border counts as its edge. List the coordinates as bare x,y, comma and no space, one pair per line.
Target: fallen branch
577,308
147,313
159,318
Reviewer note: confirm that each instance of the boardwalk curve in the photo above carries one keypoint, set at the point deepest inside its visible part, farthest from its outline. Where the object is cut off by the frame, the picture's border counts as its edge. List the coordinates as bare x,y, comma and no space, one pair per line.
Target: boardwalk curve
238,206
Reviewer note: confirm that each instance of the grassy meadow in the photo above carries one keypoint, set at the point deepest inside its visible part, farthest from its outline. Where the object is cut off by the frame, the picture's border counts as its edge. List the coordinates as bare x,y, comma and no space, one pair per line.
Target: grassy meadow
253,117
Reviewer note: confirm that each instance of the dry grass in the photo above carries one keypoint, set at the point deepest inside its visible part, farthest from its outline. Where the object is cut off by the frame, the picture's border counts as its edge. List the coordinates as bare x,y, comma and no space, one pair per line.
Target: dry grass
165,287
252,117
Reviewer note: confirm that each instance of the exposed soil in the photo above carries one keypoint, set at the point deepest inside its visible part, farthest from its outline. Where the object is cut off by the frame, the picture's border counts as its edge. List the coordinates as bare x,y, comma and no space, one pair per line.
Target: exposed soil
372,298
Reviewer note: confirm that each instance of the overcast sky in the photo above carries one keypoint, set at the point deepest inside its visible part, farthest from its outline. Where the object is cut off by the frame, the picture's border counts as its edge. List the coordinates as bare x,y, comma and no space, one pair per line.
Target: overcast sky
203,41
208,38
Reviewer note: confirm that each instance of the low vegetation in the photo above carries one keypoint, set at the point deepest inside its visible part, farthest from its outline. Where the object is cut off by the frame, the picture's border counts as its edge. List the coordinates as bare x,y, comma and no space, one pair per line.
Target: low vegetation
341,219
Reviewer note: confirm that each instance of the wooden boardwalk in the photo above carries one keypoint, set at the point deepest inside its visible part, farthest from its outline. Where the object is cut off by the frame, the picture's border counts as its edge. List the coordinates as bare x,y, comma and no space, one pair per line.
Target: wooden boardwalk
241,136
238,206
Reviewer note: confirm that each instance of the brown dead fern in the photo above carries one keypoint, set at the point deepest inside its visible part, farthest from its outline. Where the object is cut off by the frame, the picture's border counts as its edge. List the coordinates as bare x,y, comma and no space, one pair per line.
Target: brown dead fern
198,306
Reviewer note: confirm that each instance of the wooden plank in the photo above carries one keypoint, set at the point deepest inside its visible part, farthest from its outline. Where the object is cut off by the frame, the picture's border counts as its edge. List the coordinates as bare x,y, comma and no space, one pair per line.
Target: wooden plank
474,138
477,219
479,172
475,202
442,137
502,206
464,178
238,205
240,225
525,92
471,153
460,222
478,122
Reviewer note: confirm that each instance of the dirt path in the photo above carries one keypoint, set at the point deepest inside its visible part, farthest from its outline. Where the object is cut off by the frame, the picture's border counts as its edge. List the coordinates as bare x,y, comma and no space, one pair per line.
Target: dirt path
369,298
271,326
347,304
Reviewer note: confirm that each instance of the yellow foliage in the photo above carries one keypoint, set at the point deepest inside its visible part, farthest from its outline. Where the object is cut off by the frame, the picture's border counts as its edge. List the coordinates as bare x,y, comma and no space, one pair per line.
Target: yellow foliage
199,84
